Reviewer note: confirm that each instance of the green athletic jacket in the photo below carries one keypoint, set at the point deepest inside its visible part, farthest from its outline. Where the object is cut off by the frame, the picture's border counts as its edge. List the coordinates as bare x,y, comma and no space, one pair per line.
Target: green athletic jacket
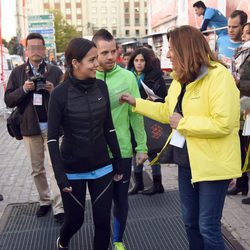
120,81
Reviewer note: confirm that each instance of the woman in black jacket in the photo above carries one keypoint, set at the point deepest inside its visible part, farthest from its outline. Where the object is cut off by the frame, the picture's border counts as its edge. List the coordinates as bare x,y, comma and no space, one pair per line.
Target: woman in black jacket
81,107
146,68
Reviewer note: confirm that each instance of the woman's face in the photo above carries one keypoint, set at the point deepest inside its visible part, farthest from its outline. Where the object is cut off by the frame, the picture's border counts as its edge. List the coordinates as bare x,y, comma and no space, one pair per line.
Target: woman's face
139,63
87,67
171,55
246,33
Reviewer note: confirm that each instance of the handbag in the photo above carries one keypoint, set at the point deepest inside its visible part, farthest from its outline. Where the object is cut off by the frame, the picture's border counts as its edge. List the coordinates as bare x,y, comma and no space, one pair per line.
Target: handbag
246,167
13,125
157,135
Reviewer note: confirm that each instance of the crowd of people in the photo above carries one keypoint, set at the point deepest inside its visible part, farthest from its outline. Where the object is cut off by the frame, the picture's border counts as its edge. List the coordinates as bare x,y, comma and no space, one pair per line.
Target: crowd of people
90,121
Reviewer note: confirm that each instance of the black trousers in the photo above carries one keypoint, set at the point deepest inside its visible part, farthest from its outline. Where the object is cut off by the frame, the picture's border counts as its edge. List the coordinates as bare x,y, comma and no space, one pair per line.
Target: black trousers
242,182
101,193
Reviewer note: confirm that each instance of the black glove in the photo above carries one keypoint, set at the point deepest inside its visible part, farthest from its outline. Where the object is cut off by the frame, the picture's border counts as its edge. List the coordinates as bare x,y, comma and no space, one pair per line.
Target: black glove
62,180
118,167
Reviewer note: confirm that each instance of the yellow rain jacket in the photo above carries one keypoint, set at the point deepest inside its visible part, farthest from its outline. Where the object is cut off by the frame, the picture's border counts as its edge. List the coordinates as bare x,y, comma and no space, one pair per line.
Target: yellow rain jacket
210,123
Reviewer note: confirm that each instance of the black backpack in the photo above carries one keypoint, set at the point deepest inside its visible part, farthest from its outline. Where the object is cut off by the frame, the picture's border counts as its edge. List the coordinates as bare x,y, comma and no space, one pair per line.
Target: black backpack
13,125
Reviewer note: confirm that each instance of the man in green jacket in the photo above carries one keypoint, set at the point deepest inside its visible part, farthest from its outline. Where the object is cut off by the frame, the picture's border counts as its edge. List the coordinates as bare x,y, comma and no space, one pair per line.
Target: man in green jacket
120,81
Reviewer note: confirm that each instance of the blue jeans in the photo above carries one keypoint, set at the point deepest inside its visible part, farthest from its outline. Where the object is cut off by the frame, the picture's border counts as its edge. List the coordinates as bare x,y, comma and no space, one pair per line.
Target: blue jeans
202,204
156,168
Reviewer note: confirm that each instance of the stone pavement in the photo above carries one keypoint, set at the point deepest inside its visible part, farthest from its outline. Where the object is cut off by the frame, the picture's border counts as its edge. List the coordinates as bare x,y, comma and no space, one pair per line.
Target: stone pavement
17,186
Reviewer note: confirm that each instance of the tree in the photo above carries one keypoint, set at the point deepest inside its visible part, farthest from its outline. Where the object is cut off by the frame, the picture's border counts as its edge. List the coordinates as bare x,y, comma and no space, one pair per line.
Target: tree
5,43
64,32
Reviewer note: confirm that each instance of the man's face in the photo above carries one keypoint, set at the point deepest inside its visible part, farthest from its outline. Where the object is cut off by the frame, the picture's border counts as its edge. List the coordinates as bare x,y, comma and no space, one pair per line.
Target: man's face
35,50
106,51
234,28
198,11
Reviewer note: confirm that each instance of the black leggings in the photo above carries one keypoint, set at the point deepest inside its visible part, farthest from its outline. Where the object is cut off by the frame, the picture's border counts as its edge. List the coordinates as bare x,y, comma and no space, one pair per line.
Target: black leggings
101,191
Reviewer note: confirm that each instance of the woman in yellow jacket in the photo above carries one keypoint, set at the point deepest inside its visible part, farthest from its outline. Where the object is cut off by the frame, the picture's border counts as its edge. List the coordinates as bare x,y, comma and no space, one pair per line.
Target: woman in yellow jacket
203,109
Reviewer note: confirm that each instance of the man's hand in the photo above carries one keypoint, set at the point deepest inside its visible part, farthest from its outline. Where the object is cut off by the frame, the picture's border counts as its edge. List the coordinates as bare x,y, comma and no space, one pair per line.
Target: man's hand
28,86
140,158
174,120
49,86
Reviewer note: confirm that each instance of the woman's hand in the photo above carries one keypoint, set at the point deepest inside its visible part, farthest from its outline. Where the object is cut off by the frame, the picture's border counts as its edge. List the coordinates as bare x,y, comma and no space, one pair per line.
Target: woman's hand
246,112
117,177
174,120
128,99
67,189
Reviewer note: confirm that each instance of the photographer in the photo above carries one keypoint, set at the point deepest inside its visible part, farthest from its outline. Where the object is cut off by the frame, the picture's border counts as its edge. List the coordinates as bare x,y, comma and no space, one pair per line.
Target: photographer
29,87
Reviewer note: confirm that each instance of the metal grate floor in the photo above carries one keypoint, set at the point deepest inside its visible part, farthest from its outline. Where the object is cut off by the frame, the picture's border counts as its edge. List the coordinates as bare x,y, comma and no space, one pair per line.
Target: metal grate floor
154,223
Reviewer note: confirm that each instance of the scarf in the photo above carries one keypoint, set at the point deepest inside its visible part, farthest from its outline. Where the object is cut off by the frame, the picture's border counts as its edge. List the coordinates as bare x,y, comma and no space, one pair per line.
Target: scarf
239,58
139,77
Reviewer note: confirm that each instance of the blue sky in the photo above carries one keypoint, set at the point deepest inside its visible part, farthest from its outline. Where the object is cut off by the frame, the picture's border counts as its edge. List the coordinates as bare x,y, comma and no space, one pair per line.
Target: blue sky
8,18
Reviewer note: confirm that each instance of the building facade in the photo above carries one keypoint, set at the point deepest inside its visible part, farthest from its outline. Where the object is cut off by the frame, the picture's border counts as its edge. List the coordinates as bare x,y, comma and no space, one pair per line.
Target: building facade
123,18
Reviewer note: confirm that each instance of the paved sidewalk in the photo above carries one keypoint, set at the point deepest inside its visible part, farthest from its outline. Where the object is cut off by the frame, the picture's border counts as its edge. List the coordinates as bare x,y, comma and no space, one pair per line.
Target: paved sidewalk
17,186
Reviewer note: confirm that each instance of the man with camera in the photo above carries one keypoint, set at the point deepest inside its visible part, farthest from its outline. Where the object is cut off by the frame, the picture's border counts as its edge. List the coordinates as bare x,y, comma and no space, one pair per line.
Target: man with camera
29,87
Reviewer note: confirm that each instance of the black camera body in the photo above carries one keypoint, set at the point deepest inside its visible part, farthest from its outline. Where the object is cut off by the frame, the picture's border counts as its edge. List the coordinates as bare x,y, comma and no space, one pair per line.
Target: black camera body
39,82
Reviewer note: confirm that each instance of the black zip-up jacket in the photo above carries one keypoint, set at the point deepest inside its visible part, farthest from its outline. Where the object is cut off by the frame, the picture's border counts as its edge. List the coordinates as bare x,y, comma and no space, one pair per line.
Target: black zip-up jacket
15,96
82,109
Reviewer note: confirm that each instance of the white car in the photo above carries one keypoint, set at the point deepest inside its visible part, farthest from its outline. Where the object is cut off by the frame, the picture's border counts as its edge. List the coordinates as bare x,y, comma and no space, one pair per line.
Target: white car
16,60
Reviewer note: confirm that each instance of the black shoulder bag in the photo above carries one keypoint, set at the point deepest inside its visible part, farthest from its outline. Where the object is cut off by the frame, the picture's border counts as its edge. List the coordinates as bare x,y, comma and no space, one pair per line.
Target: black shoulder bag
13,124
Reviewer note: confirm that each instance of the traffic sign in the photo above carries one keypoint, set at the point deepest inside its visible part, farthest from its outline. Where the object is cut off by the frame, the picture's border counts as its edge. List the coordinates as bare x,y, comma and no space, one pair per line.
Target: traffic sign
37,18
43,31
49,36
50,45
41,25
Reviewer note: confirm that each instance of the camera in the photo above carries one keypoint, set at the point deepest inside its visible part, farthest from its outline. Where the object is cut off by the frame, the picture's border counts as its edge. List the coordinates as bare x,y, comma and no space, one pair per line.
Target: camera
39,81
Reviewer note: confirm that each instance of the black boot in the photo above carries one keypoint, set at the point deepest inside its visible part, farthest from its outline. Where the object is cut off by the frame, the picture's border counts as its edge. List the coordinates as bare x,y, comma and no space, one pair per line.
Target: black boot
246,201
236,190
139,186
156,188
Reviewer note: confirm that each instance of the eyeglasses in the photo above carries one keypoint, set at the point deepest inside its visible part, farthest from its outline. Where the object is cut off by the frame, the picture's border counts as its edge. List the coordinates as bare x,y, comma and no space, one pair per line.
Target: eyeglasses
35,47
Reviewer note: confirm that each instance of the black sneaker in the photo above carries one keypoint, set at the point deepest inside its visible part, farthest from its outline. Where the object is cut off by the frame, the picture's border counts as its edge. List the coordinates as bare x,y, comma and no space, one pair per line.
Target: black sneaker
59,218
58,246
1,197
43,210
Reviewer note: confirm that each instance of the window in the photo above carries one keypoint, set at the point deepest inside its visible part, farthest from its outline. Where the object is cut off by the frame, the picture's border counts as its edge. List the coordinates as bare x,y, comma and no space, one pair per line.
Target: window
127,32
94,21
78,11
79,22
127,10
67,1
114,32
94,10
137,21
114,21
103,10
68,11
146,21
137,32
126,21
113,10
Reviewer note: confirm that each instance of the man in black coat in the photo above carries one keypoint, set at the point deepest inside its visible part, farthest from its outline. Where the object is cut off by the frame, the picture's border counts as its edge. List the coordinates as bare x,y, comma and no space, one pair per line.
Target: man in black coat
29,87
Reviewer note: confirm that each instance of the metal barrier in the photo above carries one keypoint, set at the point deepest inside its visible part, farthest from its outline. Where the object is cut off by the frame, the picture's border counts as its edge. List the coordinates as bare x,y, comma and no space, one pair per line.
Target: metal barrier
213,38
